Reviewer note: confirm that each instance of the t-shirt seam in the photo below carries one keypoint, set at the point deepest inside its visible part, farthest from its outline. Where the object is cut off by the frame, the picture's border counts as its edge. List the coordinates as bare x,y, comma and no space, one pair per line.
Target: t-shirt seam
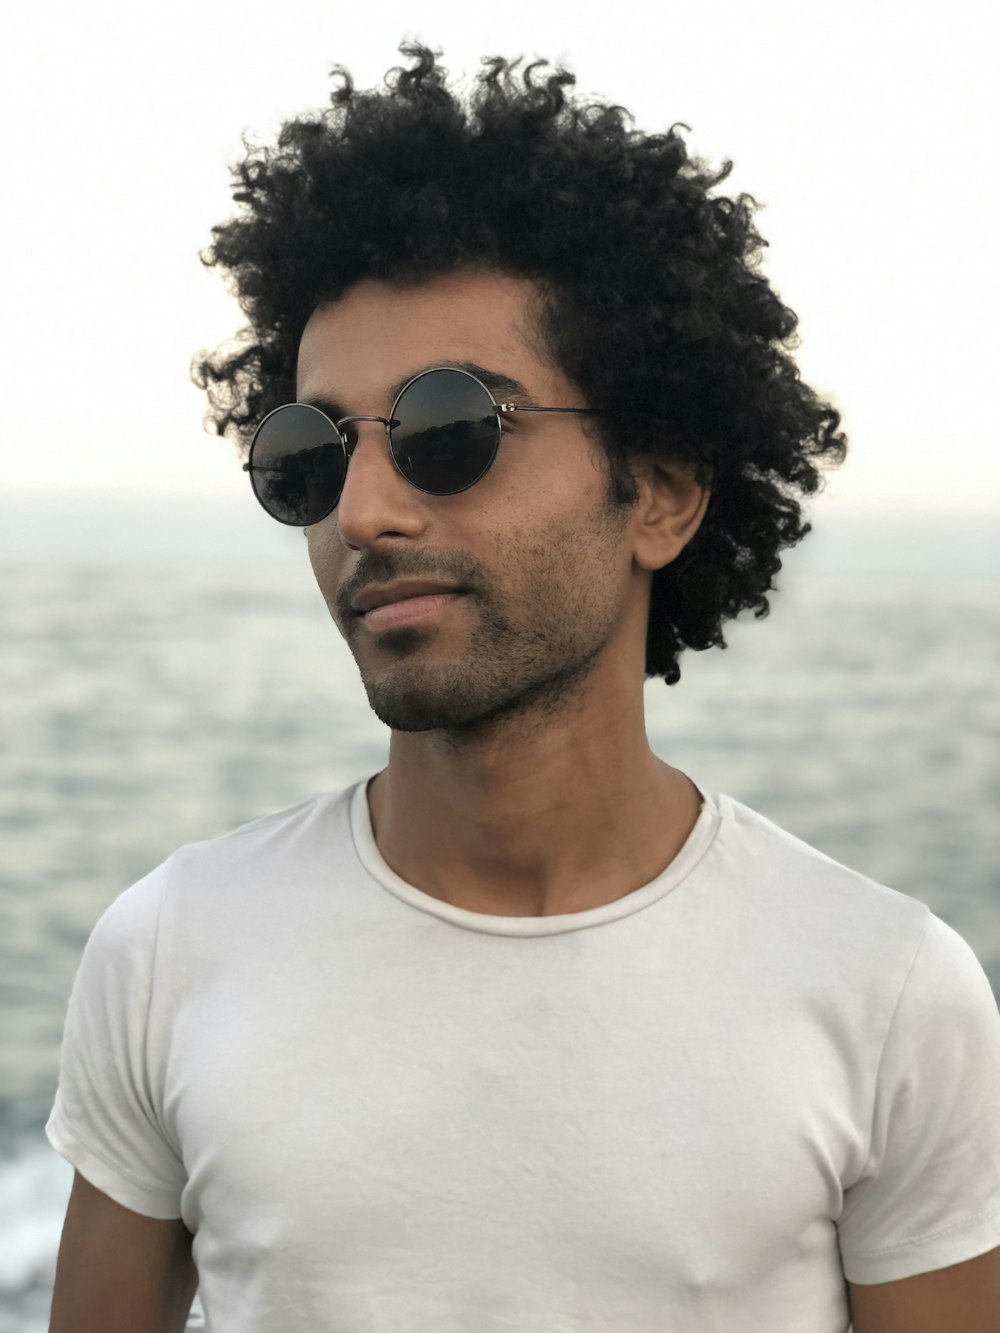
882,1053
984,1214
355,823
149,1002
149,1187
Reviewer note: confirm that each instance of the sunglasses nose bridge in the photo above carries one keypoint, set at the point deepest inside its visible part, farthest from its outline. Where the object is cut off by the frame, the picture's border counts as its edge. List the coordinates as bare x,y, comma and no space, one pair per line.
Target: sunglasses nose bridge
350,444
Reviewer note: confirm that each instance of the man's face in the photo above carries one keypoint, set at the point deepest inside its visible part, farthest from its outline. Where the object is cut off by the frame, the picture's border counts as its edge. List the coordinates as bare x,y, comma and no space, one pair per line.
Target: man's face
547,561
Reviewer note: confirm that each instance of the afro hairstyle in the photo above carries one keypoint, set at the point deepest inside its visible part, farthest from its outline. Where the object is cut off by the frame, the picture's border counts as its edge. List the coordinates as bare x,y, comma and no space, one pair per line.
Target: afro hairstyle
651,298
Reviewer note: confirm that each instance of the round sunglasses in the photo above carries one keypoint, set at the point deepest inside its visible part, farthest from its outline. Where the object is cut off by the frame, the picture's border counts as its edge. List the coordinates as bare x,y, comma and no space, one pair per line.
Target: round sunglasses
444,433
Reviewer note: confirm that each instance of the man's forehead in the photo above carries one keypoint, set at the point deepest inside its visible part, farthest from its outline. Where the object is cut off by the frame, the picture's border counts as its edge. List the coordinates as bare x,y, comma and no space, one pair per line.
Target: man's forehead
475,294
366,343
333,398
472,302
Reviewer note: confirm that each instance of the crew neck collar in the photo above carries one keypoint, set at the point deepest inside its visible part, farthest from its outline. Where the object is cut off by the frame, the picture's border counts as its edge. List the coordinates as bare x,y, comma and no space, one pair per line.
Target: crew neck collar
698,842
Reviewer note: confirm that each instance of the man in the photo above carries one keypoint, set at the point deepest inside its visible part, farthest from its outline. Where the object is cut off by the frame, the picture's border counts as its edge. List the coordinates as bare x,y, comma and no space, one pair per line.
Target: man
529,1030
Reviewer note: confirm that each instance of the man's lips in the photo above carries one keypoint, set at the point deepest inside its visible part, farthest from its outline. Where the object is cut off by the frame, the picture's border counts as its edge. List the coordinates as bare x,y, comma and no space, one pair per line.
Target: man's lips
381,594
423,606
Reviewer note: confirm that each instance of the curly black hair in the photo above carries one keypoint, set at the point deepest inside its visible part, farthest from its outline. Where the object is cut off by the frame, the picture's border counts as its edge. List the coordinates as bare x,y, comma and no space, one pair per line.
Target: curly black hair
651,299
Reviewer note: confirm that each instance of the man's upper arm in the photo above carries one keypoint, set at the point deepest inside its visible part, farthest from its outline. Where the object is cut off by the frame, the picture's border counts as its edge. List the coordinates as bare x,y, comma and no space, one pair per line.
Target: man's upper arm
963,1298
118,1271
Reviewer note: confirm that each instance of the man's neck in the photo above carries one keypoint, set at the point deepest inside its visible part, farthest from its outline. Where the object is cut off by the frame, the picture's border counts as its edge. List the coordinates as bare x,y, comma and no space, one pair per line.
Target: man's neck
544,831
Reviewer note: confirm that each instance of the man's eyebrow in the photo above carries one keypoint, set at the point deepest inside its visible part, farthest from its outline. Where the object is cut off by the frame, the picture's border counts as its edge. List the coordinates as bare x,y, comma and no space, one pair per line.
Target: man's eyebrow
504,388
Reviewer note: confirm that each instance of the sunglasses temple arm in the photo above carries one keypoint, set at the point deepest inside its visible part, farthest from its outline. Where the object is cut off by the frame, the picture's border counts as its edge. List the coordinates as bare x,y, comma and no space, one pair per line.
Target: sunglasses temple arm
518,407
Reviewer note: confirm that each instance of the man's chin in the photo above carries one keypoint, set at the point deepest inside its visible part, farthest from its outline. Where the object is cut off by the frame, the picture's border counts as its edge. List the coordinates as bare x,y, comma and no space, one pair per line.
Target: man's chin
416,713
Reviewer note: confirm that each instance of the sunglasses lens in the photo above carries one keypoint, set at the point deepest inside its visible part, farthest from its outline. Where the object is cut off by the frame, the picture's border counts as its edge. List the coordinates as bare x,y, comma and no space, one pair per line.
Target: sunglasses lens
447,432
297,464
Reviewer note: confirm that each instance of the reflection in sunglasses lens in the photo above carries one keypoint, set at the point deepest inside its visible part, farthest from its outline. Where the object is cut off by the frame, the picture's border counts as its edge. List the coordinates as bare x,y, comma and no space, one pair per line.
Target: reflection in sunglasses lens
297,464
447,434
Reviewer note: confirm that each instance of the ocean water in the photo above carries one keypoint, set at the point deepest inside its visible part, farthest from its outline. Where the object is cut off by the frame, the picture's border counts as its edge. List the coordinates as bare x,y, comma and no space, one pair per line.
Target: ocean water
149,704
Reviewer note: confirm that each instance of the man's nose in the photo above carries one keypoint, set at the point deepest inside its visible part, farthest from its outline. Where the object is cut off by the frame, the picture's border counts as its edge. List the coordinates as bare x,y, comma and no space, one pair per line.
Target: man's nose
375,497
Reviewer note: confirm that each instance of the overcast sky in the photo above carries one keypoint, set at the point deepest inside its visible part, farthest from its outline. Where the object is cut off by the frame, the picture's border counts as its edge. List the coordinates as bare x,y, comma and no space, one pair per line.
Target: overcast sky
866,129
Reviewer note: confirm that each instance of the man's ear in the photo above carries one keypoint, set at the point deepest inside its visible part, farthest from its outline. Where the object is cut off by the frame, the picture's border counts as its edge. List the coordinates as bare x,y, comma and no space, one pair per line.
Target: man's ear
670,510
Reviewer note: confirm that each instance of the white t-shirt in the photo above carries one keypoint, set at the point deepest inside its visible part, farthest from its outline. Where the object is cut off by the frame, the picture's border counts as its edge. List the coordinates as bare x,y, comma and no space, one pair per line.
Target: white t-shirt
700,1107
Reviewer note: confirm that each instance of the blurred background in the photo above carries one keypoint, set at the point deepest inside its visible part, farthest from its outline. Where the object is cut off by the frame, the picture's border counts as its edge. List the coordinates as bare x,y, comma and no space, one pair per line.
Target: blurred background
169,668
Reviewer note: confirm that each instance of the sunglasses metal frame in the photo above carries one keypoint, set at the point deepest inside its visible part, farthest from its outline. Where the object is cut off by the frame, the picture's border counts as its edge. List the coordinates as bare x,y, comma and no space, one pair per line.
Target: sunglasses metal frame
499,408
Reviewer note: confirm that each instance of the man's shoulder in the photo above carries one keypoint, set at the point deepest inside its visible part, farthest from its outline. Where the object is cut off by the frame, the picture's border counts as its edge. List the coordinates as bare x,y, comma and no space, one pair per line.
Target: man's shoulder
321,820
226,892
289,820
272,849
797,875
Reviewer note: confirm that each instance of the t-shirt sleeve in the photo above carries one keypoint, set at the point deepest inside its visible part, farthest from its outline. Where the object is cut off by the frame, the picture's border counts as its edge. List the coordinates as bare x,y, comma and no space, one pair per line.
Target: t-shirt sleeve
106,1120
929,1195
